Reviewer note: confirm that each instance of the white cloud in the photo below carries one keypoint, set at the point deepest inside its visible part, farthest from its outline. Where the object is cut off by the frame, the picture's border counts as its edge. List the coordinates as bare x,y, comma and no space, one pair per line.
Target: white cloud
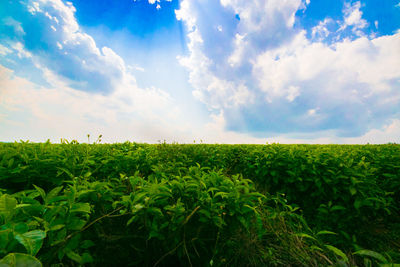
33,7
69,46
9,21
389,133
51,17
157,2
215,132
347,87
311,112
75,100
21,51
184,13
138,68
60,111
254,70
262,15
293,92
262,24
358,72
209,88
4,50
320,32
369,62
261,18
63,112
353,18
240,48
351,26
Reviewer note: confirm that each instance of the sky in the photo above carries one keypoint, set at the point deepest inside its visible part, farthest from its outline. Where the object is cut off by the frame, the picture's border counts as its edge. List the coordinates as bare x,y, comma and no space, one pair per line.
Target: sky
211,71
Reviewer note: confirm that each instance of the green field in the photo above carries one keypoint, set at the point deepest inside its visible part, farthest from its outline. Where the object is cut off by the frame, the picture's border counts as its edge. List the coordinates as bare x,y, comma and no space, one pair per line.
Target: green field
136,204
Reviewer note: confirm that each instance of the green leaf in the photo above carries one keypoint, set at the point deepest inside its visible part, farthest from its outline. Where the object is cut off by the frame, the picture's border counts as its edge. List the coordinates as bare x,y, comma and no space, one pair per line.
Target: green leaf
337,207
222,194
4,238
59,237
338,252
19,206
372,254
368,262
155,211
87,244
10,163
313,247
19,260
137,207
73,243
21,228
358,203
74,256
306,236
7,206
130,220
80,207
206,213
352,190
32,241
250,208
63,170
324,232
76,224
86,258
53,193
41,192
57,227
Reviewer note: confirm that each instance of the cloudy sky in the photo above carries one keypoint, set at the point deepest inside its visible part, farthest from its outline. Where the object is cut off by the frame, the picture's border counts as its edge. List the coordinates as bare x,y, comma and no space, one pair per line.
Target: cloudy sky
216,71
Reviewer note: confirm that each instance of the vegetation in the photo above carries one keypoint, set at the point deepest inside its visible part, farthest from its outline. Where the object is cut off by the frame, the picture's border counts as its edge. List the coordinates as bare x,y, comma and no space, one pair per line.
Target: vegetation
132,204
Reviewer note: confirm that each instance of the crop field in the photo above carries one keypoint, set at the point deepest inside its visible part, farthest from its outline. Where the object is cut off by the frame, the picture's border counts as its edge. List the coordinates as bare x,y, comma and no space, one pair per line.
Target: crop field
133,204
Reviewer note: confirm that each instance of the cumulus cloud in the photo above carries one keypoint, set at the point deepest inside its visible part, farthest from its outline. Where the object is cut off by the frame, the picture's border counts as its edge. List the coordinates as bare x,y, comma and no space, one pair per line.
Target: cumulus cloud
157,2
87,88
72,114
262,78
353,18
355,83
351,26
220,61
321,31
53,38
215,91
287,82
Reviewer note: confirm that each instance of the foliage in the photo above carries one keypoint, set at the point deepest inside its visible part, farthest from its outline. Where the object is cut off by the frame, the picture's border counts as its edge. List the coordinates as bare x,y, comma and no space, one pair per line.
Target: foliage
220,205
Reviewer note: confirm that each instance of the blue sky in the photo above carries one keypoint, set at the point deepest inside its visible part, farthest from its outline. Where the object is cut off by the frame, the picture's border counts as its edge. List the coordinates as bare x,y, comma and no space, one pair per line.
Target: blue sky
227,71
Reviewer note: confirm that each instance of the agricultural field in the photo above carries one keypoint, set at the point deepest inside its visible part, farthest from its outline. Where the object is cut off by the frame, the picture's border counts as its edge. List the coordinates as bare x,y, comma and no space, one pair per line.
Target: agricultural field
133,204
